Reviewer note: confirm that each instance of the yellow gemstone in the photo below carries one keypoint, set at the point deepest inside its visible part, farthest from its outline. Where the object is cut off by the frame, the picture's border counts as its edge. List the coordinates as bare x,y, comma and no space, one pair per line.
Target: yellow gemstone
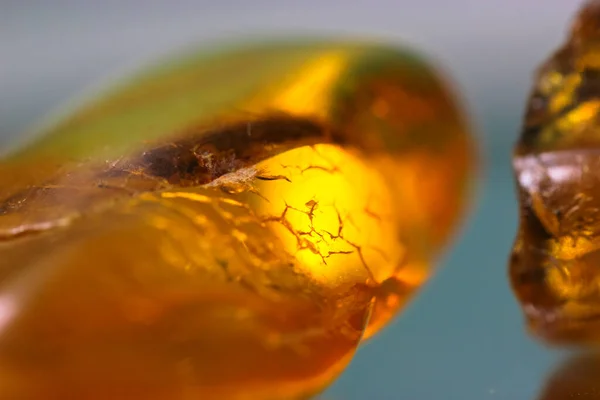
554,264
227,226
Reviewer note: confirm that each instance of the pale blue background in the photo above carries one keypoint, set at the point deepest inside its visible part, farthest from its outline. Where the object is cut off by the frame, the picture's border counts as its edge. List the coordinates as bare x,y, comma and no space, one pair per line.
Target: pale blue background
463,338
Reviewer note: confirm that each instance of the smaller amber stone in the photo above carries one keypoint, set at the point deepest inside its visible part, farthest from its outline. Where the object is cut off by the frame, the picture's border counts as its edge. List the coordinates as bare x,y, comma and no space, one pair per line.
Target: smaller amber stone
554,263
577,377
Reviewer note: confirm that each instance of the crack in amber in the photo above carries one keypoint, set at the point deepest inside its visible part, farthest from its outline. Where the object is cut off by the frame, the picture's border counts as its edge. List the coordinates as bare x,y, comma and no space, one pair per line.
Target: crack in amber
217,232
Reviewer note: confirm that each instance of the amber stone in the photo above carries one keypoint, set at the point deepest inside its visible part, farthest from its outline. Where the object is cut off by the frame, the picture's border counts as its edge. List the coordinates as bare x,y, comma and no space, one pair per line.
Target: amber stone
554,266
575,378
229,225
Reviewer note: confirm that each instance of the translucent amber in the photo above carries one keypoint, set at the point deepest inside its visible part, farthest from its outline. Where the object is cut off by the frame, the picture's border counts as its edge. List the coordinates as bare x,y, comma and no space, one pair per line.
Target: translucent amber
226,226
555,261
577,378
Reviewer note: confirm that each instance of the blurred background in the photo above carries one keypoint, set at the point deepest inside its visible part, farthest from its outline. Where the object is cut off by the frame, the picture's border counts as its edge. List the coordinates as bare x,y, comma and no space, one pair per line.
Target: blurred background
463,338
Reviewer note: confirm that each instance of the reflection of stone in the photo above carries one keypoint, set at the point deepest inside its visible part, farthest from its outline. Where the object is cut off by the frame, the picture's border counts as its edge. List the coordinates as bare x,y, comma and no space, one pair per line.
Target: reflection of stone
227,227
577,378
554,264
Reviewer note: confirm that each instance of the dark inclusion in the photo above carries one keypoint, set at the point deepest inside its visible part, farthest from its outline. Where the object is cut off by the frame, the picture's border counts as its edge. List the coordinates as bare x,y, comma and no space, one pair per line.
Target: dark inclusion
200,159
201,156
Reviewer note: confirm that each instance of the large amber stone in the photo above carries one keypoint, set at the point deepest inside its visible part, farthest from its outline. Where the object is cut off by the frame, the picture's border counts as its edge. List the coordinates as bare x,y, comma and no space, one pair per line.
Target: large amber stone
226,226
555,261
